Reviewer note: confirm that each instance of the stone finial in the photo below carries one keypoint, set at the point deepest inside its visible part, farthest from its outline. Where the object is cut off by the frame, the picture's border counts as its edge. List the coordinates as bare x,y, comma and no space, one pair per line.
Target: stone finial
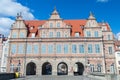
91,16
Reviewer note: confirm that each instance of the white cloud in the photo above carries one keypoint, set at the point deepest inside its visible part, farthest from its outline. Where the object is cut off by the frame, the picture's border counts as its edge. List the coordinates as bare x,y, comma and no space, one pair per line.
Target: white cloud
102,1
10,8
118,35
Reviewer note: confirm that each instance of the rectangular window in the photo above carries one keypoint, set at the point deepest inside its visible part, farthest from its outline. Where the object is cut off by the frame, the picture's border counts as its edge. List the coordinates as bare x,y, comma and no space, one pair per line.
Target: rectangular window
110,50
119,62
20,48
90,48
43,48
88,34
74,49
58,50
118,54
112,68
92,67
109,38
77,34
14,35
51,34
58,34
29,48
97,48
58,24
51,25
21,35
11,68
65,48
96,33
81,48
36,49
14,48
50,49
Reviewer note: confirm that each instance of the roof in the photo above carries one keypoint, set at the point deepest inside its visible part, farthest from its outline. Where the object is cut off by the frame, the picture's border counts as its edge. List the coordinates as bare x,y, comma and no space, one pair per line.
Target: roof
117,43
75,24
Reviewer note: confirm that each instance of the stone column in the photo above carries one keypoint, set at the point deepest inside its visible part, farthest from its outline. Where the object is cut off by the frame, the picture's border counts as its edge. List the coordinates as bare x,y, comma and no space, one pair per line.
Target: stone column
54,68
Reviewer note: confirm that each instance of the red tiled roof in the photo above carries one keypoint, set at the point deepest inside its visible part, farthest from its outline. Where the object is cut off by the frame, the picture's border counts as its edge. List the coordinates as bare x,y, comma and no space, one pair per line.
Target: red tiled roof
76,26
117,43
35,24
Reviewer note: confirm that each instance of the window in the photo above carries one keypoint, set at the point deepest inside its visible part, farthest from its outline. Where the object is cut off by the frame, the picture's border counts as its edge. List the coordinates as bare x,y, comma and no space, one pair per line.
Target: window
33,35
18,67
110,50
43,35
77,34
109,38
81,48
88,34
58,50
92,67
119,62
96,33
51,25
29,48
65,48
74,49
43,50
58,34
118,54
98,67
58,24
14,35
97,48
90,48
112,68
20,48
21,35
50,49
35,49
11,68
13,48
51,34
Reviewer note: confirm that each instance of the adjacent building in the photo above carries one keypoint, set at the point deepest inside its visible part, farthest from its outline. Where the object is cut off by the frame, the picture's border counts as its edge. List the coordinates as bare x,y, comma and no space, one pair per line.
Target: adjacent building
2,40
61,47
117,55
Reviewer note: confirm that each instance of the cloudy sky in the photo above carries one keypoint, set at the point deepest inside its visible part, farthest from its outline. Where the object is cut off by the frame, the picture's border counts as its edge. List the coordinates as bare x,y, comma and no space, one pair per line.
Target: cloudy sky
104,10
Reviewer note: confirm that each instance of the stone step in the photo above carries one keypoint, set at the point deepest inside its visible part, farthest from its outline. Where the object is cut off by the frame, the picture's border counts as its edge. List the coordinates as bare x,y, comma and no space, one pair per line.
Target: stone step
56,78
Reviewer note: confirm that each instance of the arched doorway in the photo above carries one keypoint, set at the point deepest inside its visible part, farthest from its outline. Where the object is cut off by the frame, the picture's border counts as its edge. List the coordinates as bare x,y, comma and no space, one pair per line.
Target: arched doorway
62,69
78,68
31,69
46,69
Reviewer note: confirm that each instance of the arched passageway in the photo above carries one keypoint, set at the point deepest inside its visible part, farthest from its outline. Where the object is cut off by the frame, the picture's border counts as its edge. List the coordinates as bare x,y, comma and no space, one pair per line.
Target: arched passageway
62,69
31,69
78,68
46,69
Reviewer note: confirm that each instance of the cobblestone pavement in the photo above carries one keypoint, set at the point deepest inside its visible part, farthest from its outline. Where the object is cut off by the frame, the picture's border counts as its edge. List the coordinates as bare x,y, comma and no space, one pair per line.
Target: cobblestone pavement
56,78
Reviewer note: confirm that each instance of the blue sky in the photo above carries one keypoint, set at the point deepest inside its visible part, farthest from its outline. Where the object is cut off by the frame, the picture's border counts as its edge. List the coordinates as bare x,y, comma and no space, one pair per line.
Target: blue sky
107,10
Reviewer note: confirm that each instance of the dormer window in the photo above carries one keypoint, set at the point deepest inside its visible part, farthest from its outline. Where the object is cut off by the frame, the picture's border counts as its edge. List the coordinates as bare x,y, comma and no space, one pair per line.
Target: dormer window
104,28
33,35
31,28
77,34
